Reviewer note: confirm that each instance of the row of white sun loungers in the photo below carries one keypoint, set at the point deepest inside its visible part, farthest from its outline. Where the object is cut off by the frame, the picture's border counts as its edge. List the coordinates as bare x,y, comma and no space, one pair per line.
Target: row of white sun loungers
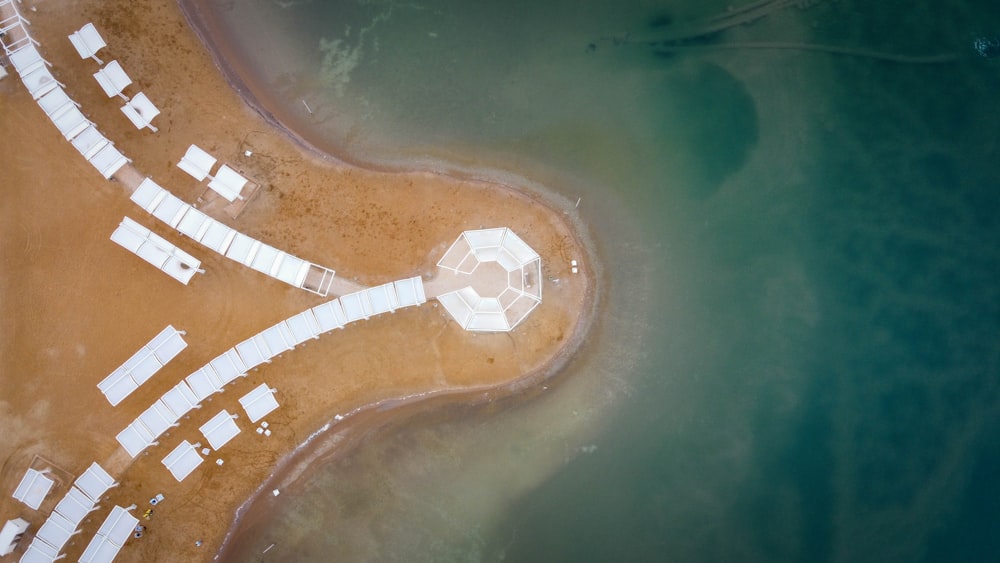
139,368
222,239
63,523
156,250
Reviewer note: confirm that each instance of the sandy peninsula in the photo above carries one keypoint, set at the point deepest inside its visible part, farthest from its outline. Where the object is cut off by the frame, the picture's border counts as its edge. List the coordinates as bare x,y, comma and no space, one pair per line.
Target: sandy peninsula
74,306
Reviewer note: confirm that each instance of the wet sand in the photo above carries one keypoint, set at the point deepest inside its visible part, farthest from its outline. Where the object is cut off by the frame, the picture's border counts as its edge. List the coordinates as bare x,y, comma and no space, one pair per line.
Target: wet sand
74,305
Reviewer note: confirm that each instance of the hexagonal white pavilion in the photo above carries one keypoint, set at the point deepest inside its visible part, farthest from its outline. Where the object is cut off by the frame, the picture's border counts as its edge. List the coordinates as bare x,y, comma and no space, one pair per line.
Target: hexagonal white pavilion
505,280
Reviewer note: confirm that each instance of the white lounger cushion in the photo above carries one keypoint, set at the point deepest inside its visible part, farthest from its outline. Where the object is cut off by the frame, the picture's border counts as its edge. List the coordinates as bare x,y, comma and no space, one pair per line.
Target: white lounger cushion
254,351
94,482
228,366
218,236
135,438
88,42
182,460
75,506
180,399
27,59
204,382
330,315
33,488
279,338
56,530
40,82
148,195
156,250
259,402
112,79
108,161
228,183
90,141
197,163
303,326
56,102
410,291
141,111
356,306
220,429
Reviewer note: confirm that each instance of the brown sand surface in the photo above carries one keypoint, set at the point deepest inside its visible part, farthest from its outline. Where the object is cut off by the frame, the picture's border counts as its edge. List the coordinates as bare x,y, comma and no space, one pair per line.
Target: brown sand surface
74,305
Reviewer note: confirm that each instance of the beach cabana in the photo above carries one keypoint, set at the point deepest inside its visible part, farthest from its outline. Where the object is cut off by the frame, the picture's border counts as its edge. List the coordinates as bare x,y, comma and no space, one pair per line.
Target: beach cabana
33,488
110,537
197,163
88,41
182,460
113,80
75,506
228,183
259,402
330,315
505,295
94,482
220,429
140,111
156,250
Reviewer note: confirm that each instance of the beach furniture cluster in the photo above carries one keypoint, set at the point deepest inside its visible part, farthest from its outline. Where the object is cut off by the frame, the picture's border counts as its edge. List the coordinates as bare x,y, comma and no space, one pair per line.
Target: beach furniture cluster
142,365
229,242
226,182
64,521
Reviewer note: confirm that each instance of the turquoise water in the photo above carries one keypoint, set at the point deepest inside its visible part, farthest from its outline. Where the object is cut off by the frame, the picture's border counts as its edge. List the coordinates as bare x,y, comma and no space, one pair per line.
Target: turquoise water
800,356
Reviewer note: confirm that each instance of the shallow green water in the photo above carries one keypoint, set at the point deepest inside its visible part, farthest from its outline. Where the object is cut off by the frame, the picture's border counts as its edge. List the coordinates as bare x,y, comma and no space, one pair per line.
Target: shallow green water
800,358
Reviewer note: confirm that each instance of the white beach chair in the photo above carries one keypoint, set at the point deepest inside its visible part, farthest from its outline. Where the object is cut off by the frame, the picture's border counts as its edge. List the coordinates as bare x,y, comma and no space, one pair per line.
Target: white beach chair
141,112
356,306
56,102
40,82
108,160
27,59
254,351
228,366
220,429
33,488
56,531
113,79
156,250
135,438
75,506
330,315
89,142
71,122
148,195
204,382
303,326
180,399
259,402
197,163
111,536
183,460
218,236
94,482
228,183
88,42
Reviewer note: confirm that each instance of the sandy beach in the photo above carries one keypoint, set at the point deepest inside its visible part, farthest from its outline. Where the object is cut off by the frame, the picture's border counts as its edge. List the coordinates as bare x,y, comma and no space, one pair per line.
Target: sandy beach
74,306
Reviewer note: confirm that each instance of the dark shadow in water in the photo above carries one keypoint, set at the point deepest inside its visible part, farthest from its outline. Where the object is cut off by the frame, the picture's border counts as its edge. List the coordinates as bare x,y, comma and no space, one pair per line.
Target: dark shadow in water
711,119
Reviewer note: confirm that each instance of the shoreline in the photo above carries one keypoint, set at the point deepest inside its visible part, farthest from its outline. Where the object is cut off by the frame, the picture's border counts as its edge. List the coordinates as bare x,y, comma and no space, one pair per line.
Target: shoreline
369,419
435,380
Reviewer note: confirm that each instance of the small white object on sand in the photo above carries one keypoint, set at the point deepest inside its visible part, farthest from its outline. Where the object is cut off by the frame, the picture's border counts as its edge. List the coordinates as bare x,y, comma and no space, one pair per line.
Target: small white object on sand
275,492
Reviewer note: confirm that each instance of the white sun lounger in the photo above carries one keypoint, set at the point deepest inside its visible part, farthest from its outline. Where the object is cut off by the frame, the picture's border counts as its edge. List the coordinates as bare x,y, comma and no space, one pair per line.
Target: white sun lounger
204,382
291,270
75,506
220,429
156,250
135,438
254,351
158,418
142,365
71,122
218,236
193,224
303,326
113,79
383,298
182,460
356,306
329,315
33,488
259,402
88,42
108,160
228,366
243,249
279,338
410,291
171,210
112,535
180,399
40,552
56,102
90,141
228,183
27,59
141,112
56,531
197,163
94,482
148,195
40,82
